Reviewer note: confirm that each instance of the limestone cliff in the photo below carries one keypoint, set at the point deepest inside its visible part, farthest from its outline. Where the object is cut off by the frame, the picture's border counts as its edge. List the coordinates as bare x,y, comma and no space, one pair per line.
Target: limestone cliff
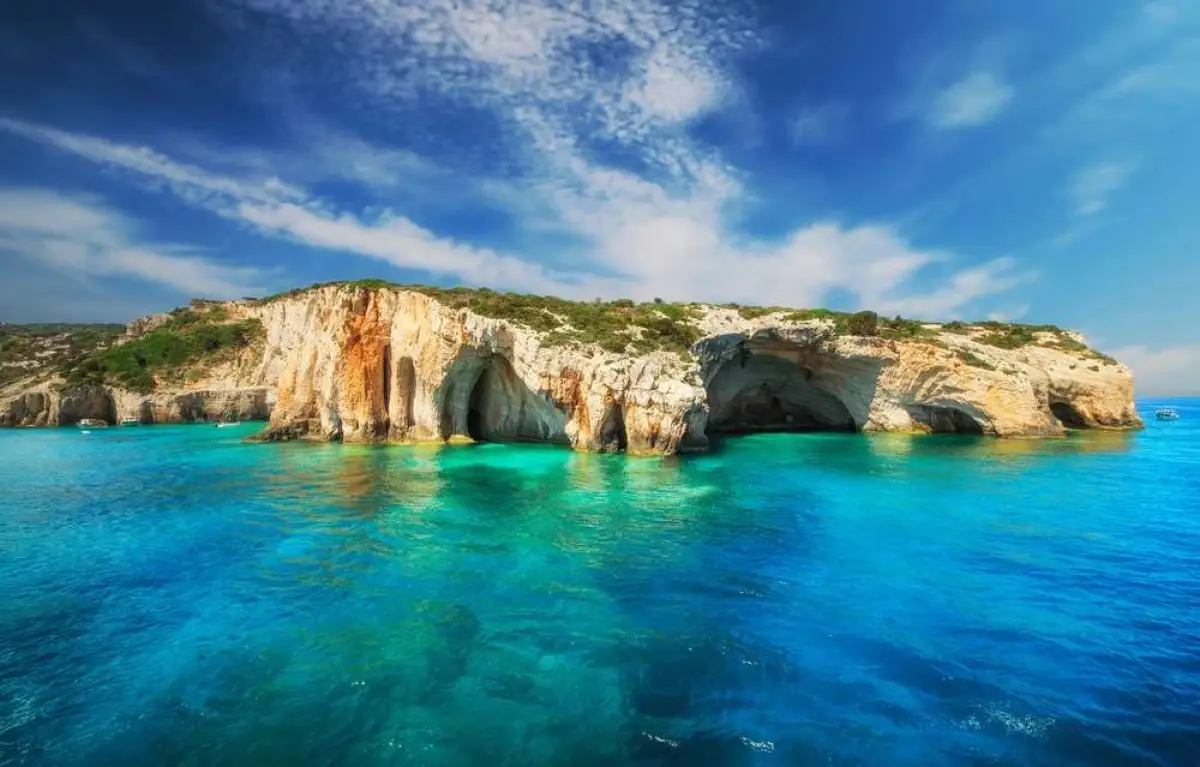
390,364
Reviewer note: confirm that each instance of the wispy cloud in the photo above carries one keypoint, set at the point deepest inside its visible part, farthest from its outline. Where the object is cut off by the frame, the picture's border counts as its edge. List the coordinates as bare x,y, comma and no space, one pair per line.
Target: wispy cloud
1093,187
81,237
1169,371
978,98
818,125
653,223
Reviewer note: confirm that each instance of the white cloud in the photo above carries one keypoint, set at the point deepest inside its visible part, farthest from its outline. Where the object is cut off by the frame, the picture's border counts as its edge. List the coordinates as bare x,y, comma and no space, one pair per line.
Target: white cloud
997,276
659,230
190,183
823,124
977,99
1009,314
1093,187
1171,371
82,238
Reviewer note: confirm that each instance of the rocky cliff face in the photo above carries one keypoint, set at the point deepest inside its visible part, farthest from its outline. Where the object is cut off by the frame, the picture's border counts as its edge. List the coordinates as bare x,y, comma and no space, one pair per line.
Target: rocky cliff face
392,365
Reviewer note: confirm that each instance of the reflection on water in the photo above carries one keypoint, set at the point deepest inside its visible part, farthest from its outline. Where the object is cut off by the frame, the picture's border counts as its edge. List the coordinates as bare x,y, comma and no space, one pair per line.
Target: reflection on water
791,599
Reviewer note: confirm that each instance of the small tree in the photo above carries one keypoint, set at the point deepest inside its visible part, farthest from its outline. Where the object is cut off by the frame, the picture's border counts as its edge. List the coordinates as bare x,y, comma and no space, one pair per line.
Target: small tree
657,300
863,324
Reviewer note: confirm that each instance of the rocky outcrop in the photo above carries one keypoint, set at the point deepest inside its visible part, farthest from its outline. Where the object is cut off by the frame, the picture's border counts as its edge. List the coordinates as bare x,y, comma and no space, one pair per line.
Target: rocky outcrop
236,404
54,405
51,406
364,364
392,365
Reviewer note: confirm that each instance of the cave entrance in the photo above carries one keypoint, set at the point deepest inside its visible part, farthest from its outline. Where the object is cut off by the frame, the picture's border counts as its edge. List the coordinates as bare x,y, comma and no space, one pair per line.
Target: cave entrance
764,392
941,419
387,383
493,408
612,436
1067,415
475,416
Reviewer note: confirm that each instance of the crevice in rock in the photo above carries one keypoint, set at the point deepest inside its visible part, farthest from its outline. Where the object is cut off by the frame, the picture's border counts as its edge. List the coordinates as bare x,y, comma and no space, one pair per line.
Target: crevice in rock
401,397
1068,416
387,386
761,392
945,419
612,436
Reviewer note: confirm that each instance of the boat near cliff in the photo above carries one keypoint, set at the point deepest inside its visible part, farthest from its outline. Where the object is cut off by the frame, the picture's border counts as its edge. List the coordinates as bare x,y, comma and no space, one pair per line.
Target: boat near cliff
1166,414
92,423
372,362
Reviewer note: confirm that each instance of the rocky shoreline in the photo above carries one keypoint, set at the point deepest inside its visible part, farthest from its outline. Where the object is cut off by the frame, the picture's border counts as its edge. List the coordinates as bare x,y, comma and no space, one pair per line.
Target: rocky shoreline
393,364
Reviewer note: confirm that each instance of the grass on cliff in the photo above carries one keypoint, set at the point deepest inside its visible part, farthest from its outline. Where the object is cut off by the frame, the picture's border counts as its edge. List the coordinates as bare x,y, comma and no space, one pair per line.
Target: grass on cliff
189,339
612,325
624,324
29,349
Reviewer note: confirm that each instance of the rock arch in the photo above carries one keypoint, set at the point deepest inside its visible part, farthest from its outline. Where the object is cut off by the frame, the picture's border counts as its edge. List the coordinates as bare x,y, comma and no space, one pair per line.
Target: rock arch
482,398
1068,415
946,418
761,390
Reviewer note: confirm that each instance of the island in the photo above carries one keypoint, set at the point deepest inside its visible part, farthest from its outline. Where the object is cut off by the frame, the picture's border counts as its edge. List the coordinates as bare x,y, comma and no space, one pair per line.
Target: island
374,362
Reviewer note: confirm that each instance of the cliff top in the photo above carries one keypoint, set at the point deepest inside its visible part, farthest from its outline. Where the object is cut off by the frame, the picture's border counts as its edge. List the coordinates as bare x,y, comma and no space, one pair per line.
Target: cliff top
175,346
626,326
166,347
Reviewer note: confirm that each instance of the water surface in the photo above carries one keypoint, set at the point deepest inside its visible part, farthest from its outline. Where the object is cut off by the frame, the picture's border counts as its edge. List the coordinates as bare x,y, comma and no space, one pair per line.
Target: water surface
172,596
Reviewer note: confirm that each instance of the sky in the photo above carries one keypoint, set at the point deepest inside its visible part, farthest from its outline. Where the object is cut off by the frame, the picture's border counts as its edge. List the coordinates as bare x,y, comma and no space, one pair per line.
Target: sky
1024,161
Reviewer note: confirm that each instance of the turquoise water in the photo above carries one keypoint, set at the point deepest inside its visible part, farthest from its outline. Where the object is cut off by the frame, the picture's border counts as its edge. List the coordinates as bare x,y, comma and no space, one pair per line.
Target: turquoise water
172,596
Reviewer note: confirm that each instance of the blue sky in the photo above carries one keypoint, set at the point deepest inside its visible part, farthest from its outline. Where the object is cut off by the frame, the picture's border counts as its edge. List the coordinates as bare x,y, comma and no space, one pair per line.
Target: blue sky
1024,160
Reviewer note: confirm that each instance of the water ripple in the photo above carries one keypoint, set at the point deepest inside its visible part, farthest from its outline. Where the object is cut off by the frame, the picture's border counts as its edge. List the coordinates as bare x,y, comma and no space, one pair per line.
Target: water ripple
173,596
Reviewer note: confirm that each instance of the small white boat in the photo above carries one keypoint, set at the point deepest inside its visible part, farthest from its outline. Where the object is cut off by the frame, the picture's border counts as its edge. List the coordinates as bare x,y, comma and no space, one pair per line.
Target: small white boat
226,424
1166,414
131,420
92,423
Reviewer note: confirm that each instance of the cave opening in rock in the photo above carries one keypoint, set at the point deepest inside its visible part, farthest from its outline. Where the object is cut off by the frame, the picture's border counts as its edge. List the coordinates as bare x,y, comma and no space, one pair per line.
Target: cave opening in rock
1067,415
945,419
612,436
493,407
387,382
400,411
475,416
765,392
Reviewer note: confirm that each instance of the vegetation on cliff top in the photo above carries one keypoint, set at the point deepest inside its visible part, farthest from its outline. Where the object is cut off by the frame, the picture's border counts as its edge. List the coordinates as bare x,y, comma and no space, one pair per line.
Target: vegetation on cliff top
30,349
639,327
614,326
190,339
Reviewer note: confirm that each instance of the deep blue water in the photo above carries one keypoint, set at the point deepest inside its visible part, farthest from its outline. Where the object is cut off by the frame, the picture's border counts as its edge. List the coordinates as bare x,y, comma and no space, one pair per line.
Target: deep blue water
172,596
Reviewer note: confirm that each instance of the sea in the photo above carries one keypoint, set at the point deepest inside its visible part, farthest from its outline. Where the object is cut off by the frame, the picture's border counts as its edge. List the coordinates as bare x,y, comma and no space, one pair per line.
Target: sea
172,595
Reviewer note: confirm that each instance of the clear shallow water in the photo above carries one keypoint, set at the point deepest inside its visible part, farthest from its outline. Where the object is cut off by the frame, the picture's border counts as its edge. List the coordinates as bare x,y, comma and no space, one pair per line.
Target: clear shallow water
171,596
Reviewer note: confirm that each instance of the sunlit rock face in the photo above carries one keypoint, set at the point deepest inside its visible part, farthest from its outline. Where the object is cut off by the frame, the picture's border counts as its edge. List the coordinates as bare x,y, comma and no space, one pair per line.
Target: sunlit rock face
362,364
366,365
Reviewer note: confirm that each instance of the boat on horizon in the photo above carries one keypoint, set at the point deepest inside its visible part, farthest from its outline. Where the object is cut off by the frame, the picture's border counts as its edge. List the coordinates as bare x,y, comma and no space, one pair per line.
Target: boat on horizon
1166,414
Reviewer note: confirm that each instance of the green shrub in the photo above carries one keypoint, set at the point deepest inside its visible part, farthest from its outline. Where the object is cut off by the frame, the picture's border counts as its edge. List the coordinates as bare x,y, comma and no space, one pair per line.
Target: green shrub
754,312
901,329
973,360
863,324
186,340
